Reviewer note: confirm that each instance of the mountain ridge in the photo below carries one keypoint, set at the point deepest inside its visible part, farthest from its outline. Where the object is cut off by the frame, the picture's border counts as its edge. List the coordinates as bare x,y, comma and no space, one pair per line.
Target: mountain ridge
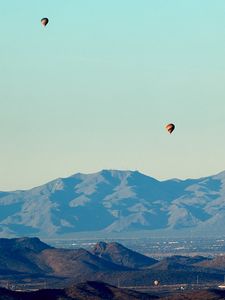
30,262
114,201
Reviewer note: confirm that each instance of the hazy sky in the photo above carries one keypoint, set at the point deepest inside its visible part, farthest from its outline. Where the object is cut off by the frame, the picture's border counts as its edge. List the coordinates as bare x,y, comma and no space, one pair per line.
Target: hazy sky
95,88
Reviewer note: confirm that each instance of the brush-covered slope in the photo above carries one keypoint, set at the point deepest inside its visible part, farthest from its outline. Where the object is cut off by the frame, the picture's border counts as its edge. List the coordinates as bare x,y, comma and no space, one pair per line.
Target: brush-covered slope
29,259
120,255
90,290
31,256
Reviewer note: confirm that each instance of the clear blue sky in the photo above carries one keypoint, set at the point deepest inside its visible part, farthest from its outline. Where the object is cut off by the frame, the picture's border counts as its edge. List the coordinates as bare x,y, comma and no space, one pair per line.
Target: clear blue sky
95,88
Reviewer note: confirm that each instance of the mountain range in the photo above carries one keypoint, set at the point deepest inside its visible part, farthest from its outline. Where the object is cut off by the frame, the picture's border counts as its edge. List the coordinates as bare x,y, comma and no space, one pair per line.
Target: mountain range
114,201
29,263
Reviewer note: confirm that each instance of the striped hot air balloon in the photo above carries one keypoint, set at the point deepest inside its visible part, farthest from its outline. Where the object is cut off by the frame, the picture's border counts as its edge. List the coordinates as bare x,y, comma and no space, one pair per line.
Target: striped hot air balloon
170,127
44,21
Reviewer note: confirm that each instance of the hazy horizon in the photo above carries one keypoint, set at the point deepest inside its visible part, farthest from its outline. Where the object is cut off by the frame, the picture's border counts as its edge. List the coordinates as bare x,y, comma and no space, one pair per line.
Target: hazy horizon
98,171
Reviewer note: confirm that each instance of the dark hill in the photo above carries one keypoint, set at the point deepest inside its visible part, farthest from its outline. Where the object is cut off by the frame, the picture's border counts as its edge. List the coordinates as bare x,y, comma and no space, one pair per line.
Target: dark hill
21,244
122,256
186,260
84,291
178,262
80,262
189,265
19,255
213,294
216,263
31,256
99,290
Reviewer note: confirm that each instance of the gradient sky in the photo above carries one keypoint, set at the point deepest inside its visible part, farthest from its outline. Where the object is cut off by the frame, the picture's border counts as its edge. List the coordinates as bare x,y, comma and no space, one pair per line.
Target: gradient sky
95,88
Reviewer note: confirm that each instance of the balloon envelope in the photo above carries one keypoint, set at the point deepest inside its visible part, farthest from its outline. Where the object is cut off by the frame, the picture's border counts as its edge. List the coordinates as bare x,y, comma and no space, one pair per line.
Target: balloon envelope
156,282
44,21
170,127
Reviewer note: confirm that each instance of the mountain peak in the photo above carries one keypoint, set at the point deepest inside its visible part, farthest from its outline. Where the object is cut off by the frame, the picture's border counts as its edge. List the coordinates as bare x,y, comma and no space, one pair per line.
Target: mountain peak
33,244
113,201
120,255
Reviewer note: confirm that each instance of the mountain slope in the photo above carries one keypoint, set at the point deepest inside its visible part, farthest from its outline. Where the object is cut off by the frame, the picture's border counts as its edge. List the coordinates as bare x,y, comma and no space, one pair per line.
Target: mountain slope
122,256
29,262
90,290
19,255
114,201
31,256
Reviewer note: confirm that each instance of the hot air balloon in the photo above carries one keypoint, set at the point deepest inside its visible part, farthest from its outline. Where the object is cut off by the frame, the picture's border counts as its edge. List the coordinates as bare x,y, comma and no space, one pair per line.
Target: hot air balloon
156,282
170,127
44,21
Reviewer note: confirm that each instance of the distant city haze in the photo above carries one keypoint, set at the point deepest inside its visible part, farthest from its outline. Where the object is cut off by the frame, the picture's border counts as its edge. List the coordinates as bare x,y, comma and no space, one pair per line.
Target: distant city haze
95,88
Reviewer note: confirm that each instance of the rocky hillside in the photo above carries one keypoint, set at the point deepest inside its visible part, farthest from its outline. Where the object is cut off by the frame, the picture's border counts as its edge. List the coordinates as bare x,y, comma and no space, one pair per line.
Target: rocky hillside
91,290
29,262
120,255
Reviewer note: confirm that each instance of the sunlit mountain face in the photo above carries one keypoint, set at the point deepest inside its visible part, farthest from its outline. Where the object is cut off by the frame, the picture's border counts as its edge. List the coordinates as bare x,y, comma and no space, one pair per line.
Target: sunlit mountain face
114,201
